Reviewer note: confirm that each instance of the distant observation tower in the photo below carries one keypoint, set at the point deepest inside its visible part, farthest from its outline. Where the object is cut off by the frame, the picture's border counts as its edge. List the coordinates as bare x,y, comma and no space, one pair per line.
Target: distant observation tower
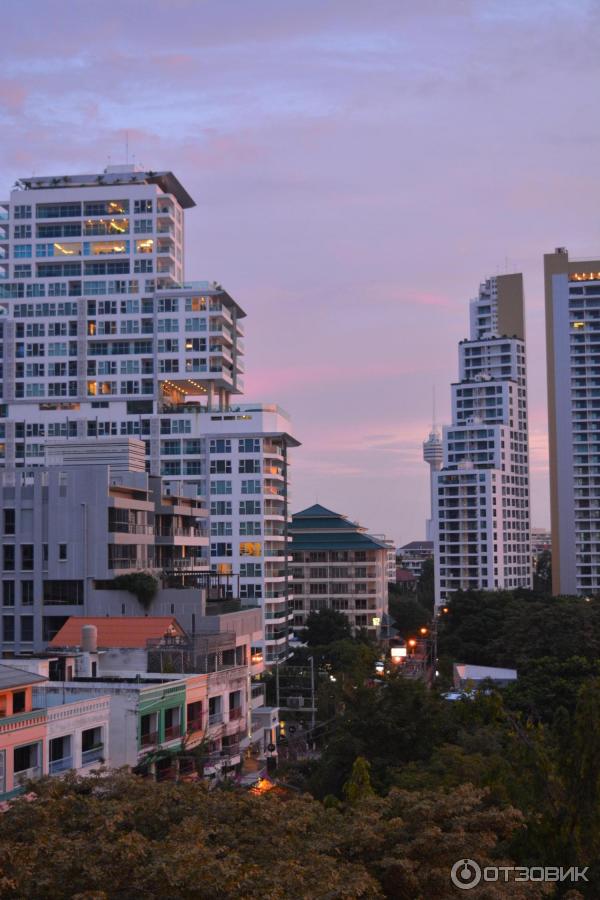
433,454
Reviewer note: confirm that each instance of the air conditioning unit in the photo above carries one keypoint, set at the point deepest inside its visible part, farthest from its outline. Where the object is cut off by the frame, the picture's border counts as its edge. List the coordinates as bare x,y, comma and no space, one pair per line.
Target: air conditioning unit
295,702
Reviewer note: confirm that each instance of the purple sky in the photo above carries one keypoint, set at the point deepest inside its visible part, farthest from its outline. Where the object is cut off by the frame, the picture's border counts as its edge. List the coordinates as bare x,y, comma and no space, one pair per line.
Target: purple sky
359,167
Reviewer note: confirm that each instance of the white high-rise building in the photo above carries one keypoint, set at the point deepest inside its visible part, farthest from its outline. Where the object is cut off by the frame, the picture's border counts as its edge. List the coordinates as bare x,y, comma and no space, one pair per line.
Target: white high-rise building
573,359
482,522
102,337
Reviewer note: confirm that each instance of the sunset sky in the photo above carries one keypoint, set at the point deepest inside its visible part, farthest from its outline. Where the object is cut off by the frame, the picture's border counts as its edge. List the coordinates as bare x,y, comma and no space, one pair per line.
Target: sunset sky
358,168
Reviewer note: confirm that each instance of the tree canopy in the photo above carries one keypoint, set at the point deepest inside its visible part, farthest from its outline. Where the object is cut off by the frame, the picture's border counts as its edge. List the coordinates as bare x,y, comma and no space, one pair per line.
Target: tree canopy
102,838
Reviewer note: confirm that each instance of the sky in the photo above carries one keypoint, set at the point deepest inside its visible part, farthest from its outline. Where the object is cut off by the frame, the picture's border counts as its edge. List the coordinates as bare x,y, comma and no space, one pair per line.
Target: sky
358,168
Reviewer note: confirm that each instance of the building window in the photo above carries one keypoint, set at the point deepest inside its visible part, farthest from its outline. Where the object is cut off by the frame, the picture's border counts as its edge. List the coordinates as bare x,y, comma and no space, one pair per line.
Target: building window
221,549
26,593
27,629
63,593
194,716
220,445
220,487
249,466
8,593
8,554
8,629
27,762
9,521
249,445
92,746
250,548
62,552
60,754
220,467
27,557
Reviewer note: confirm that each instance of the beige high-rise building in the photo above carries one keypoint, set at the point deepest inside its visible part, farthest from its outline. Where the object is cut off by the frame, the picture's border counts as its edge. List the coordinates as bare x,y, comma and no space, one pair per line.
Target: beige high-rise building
573,357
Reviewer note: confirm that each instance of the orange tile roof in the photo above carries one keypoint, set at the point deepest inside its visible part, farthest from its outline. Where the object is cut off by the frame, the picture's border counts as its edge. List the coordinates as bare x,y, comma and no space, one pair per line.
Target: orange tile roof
117,631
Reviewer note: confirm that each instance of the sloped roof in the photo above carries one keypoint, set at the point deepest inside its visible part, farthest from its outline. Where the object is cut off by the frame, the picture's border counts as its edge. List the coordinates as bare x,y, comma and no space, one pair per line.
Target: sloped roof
405,574
319,528
417,545
117,631
349,540
316,510
11,677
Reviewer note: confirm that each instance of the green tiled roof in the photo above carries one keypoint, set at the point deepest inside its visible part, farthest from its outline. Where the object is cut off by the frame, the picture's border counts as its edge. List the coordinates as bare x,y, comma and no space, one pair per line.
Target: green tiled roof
327,541
318,528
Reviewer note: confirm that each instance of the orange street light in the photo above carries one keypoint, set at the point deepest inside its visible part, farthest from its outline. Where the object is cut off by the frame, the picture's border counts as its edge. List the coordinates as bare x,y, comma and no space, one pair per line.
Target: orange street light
412,643
423,630
445,609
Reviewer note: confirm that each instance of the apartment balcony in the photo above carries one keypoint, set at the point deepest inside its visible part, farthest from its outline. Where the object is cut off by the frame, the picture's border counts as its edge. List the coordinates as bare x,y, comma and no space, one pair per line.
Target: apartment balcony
271,490
222,330
127,565
172,732
187,535
150,739
220,311
273,471
60,765
128,528
258,696
28,775
235,713
95,754
195,725
215,719
189,564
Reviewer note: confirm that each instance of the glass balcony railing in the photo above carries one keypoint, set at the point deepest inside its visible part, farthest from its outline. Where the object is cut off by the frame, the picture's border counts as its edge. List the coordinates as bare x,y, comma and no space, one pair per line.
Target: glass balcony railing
61,765
94,754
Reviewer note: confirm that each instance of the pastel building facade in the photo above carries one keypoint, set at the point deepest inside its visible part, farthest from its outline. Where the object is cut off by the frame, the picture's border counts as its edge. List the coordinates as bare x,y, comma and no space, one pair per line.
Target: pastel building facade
45,733
482,521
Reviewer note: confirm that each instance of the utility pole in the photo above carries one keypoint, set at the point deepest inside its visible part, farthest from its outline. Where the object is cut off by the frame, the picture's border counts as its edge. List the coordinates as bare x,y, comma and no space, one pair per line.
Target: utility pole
312,700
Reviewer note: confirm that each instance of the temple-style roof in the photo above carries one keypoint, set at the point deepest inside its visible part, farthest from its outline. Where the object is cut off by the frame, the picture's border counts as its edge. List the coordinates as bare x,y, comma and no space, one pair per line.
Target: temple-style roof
319,528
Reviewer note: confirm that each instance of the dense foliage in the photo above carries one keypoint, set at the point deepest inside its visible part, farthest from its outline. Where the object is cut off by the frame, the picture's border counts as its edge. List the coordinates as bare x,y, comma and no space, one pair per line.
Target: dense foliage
142,585
120,837
504,628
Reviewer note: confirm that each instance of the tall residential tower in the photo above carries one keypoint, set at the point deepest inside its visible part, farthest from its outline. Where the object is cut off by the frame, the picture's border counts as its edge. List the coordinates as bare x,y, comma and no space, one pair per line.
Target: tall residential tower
573,356
482,532
101,337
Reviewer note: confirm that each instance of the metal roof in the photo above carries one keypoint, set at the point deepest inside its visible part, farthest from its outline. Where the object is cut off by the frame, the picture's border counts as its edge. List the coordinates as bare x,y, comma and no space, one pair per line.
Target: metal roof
11,677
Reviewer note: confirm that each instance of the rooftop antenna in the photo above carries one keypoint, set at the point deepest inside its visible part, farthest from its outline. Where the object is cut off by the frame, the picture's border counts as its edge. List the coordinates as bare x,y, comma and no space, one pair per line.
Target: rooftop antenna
126,147
434,416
